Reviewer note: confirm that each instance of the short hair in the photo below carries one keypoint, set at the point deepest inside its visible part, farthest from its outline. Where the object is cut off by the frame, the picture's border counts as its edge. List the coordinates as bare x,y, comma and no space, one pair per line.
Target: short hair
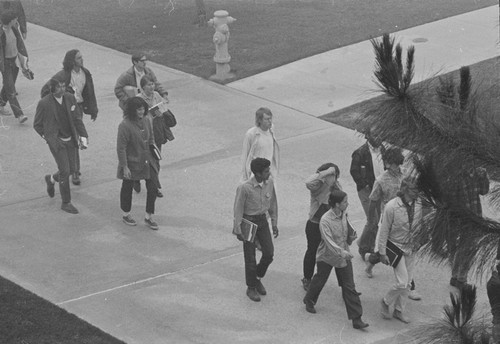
336,196
69,59
145,80
131,106
259,115
137,56
8,16
53,83
327,165
258,165
393,155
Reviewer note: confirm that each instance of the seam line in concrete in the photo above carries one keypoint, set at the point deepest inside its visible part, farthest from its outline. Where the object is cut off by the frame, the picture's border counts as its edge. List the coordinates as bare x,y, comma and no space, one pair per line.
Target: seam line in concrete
149,279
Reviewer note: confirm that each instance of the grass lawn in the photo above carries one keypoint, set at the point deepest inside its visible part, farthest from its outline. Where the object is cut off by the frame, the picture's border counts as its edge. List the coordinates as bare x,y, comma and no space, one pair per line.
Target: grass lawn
485,77
267,33
28,319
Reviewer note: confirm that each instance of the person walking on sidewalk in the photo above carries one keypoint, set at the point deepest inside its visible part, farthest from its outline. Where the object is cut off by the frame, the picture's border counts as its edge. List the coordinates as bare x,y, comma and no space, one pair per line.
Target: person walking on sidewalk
59,122
129,85
78,81
135,161
255,199
260,142
333,252
399,216
11,45
319,184
366,166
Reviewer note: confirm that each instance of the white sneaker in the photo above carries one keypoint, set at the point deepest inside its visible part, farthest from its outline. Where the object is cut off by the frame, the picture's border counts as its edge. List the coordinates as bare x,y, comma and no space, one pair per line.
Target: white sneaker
414,295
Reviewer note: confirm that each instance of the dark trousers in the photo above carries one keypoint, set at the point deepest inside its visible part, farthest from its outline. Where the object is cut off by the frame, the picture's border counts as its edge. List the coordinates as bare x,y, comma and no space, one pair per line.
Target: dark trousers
345,279
8,92
366,242
126,194
64,154
263,235
313,236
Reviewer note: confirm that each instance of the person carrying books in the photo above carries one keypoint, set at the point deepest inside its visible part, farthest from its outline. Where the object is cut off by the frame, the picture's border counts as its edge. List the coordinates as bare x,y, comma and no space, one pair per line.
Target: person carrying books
254,199
399,217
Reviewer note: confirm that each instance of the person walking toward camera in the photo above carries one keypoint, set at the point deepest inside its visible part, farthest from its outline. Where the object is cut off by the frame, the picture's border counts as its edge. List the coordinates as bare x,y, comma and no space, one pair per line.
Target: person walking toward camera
135,161
78,81
59,122
399,216
11,45
255,199
158,116
260,142
333,252
319,184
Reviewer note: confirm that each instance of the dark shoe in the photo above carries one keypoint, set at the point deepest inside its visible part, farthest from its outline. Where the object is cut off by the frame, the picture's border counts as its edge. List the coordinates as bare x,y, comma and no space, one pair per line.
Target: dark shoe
401,317
358,324
252,294
50,186
359,293
69,208
129,220
22,119
260,288
159,194
384,311
309,306
75,178
306,283
151,224
137,186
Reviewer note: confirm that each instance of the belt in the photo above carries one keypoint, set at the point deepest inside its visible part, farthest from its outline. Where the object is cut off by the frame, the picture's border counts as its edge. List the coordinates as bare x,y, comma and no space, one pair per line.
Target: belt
259,216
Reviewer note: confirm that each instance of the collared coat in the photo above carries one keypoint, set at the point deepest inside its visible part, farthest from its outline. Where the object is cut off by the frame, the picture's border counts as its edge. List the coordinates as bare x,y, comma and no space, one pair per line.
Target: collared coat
46,122
128,79
132,147
362,167
89,100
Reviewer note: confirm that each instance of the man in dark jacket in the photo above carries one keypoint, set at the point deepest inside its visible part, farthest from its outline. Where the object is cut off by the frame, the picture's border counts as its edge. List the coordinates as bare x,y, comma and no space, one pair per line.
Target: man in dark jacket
128,84
78,81
493,289
17,7
58,121
366,165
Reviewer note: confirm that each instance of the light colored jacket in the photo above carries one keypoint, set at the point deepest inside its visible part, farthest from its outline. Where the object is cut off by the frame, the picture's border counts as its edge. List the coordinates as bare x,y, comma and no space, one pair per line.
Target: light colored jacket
249,144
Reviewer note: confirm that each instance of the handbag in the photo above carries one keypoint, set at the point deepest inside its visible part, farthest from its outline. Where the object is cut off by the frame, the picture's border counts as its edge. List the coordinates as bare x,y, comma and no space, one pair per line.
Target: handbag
169,119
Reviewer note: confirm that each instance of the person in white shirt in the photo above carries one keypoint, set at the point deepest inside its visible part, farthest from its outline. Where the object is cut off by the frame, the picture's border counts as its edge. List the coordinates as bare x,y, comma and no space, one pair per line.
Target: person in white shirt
260,142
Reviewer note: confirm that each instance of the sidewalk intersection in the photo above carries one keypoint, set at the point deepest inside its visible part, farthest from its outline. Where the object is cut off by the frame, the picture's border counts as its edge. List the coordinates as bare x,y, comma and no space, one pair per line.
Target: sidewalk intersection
185,282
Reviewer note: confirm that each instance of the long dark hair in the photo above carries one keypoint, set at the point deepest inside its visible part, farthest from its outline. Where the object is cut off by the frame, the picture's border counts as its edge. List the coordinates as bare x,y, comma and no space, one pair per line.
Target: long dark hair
69,59
131,107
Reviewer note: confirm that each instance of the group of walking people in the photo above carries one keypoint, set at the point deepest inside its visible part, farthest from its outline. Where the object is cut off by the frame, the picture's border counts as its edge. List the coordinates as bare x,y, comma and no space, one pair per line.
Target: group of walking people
145,127
387,189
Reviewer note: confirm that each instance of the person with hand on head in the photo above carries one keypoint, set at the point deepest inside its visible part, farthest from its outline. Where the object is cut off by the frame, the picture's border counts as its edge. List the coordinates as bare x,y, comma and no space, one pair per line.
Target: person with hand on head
135,161
333,252
79,82
319,184
58,120
255,199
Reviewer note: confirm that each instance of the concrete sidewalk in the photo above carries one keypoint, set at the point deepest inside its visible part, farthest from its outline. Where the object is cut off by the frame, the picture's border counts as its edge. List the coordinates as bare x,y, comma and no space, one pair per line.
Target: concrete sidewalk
339,78
185,282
